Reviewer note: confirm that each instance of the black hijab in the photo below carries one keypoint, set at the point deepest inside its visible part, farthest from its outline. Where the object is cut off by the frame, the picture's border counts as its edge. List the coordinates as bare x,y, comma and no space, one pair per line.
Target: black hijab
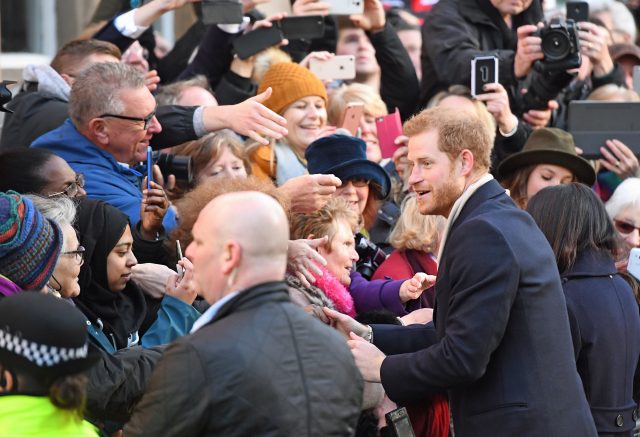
101,226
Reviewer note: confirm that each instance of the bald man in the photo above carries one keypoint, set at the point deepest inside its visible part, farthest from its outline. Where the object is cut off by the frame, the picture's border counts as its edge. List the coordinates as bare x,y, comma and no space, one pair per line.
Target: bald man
255,363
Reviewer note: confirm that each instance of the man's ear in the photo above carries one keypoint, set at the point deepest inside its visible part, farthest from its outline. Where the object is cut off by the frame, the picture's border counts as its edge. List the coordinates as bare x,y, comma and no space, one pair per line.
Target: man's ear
98,130
467,161
6,381
231,256
67,78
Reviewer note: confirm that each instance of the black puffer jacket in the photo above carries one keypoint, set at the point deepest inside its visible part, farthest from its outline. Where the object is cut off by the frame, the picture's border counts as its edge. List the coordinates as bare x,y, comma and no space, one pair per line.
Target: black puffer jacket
261,367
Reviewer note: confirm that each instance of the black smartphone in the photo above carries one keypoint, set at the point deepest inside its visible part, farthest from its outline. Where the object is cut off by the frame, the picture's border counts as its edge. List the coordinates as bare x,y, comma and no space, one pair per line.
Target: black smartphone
222,11
398,423
304,27
578,11
484,70
256,41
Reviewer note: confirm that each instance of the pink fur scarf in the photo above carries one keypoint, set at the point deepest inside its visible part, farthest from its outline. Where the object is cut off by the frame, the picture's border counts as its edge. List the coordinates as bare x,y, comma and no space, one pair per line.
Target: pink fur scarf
335,291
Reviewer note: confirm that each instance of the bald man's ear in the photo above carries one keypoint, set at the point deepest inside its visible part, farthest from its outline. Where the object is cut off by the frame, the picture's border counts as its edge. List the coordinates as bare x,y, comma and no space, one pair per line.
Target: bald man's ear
232,254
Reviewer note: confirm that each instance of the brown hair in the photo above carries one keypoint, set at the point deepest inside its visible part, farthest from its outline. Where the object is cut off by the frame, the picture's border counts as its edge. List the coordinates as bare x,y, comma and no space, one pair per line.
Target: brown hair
516,183
73,54
69,393
323,221
456,132
208,149
193,202
414,230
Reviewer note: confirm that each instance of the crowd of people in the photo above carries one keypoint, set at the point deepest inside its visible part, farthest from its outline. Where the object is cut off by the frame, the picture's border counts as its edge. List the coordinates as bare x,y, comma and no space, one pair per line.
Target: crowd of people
196,244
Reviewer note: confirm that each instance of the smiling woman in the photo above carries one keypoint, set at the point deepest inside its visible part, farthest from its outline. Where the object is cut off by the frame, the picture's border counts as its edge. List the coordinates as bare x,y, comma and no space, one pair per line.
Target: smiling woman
300,97
548,158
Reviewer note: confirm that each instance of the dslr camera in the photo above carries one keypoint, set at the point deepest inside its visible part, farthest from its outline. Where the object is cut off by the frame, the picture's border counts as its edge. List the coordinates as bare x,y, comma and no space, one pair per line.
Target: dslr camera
370,256
178,165
560,45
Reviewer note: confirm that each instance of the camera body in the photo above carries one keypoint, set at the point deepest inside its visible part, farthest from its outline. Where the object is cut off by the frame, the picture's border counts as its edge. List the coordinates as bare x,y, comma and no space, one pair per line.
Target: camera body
178,165
560,45
370,256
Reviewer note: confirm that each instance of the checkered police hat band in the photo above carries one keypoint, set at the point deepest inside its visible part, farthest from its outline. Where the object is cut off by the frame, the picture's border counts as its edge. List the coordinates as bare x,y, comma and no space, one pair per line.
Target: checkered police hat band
41,355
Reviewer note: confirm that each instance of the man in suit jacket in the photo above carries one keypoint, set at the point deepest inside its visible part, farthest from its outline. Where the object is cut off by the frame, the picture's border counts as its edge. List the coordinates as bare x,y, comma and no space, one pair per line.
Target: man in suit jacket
255,364
502,346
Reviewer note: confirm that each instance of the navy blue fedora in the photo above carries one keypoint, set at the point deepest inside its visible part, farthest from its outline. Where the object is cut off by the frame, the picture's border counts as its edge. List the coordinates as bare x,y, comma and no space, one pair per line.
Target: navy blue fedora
346,157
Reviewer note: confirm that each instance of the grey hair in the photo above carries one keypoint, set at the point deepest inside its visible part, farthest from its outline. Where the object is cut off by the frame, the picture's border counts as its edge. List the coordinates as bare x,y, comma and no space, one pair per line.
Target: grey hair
61,209
621,16
96,90
627,194
170,94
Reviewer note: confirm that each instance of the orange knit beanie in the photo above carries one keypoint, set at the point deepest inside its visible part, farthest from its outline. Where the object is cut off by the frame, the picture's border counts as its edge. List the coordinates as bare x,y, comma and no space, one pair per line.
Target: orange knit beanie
290,82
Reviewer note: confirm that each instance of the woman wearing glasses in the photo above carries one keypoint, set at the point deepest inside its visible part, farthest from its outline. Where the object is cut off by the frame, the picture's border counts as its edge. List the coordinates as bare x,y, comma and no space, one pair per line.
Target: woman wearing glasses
64,280
624,209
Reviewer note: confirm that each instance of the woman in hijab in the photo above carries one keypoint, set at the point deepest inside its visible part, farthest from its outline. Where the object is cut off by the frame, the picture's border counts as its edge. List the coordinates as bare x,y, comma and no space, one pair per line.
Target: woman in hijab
110,299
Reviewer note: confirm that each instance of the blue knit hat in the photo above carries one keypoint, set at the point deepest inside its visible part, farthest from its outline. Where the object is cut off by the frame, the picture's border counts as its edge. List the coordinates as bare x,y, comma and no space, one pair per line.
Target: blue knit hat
29,243
346,157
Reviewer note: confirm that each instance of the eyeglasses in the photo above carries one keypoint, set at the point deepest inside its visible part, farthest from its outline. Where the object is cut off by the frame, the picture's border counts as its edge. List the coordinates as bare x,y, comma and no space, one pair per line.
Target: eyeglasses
624,227
356,182
72,189
146,120
78,254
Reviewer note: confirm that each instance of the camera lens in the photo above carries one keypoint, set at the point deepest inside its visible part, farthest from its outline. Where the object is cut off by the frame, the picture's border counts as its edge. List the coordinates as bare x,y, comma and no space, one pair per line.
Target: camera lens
556,45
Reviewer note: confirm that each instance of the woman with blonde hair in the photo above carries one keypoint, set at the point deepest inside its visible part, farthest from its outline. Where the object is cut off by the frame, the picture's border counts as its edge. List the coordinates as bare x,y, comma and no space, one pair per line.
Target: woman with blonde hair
373,107
416,239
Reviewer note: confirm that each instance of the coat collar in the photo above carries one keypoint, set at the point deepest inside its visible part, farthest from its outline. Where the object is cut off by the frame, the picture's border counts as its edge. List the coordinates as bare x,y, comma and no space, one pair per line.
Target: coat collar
274,291
590,263
487,191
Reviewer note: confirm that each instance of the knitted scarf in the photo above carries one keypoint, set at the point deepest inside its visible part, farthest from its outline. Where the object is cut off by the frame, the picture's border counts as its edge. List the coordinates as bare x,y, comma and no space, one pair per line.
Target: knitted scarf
336,292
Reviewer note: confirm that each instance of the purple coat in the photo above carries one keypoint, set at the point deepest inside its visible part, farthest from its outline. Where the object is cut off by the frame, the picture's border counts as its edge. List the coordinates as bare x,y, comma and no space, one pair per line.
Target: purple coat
7,288
380,294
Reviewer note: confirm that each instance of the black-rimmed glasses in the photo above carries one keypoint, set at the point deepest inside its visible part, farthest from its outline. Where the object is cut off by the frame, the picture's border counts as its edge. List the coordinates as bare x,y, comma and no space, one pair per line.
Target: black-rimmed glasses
78,254
72,189
146,120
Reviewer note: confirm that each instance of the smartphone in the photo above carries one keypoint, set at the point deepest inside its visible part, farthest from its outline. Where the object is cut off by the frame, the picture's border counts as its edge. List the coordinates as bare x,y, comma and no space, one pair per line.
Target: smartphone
345,7
389,128
636,79
222,12
179,252
578,11
634,263
303,27
340,67
351,117
399,424
256,41
484,70
149,168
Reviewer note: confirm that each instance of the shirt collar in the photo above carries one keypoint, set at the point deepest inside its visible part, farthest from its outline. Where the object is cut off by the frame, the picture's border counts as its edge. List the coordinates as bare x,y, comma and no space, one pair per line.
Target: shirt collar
210,313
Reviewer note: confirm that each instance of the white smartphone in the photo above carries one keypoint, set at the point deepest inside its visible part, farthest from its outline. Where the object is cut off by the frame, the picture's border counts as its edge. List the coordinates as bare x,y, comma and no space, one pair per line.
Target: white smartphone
484,70
345,7
340,67
636,79
634,263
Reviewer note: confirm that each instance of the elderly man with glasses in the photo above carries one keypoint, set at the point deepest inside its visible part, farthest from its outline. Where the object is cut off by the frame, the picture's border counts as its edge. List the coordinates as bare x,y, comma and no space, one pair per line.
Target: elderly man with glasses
112,120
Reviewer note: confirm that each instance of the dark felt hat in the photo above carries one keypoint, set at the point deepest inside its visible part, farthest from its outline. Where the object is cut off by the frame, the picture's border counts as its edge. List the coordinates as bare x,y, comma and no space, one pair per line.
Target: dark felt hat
619,50
345,157
43,335
549,146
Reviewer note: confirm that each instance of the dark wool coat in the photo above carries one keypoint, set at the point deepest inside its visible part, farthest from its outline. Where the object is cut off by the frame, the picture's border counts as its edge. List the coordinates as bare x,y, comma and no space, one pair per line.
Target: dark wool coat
605,326
502,344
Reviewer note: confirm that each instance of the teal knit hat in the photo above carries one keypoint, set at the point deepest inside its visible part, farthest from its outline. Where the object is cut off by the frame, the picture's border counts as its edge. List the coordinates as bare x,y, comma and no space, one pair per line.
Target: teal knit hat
29,243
